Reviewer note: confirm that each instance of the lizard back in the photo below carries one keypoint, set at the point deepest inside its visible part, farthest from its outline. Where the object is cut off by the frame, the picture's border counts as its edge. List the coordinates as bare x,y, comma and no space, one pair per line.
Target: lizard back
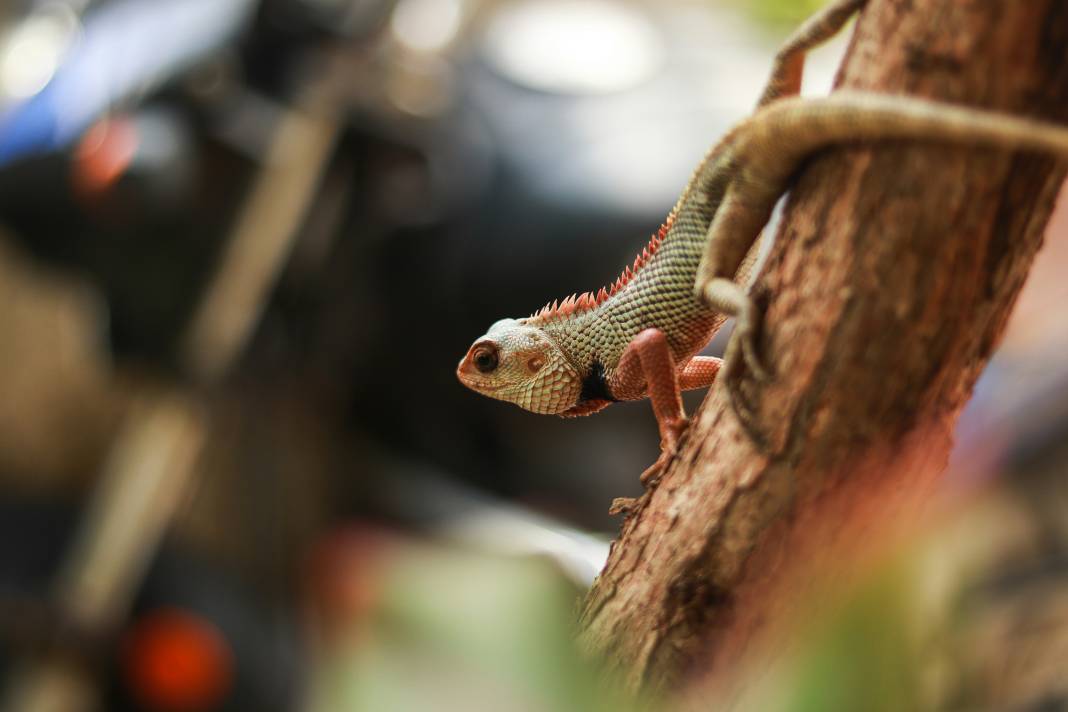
657,291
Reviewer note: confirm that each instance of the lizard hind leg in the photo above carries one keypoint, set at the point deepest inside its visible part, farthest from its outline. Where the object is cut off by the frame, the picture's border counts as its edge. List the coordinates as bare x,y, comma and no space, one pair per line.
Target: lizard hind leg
700,372
789,65
648,366
737,224
738,221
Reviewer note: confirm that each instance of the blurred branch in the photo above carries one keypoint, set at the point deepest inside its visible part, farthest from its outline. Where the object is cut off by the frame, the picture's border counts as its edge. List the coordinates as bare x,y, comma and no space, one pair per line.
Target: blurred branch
891,282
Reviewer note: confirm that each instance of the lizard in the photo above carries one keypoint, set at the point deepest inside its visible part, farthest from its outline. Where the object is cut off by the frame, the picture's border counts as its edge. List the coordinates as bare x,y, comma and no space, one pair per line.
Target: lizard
640,337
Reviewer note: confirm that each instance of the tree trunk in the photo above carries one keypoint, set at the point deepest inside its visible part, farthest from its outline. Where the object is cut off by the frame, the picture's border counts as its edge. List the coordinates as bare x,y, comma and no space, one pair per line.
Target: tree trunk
887,290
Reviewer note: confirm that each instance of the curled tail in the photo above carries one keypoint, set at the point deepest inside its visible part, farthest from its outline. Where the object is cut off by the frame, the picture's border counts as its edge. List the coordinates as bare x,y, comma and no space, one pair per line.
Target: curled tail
773,141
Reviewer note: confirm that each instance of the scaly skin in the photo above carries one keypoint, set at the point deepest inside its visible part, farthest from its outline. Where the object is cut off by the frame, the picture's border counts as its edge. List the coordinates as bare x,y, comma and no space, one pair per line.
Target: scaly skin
640,338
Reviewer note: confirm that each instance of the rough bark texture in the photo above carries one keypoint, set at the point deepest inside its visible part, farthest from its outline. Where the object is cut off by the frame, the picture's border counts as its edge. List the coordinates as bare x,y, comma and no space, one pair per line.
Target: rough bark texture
887,290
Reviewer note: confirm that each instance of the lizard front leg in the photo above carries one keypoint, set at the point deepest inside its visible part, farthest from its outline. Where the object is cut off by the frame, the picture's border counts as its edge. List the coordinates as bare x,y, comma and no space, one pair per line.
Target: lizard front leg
743,213
648,368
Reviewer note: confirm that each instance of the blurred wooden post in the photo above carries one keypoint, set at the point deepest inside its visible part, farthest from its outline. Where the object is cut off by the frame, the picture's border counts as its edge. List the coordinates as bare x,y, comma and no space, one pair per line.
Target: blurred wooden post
887,290
152,465
260,243
147,476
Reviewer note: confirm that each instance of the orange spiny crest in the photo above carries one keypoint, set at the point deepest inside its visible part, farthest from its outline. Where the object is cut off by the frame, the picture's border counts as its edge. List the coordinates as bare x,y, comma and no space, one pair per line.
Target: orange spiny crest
586,301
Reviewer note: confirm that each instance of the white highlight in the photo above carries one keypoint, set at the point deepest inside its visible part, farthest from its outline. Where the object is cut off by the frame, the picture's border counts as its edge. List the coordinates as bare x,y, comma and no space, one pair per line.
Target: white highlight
31,51
573,46
426,25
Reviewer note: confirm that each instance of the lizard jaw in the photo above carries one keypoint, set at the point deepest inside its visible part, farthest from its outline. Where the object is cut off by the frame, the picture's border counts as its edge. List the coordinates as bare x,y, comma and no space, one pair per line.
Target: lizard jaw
470,377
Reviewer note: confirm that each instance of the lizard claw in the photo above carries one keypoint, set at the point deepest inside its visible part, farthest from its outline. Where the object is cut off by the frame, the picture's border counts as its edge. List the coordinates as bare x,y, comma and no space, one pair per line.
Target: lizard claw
653,472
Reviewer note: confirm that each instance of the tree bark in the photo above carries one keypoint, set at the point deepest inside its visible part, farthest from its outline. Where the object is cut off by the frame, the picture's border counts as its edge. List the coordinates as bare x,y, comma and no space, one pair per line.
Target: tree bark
886,292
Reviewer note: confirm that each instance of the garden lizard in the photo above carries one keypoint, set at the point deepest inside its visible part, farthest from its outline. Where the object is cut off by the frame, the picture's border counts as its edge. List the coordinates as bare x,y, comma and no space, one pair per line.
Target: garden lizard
640,337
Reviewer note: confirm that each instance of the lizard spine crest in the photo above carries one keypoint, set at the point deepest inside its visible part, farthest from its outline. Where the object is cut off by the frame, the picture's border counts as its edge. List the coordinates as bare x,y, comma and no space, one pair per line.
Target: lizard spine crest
578,303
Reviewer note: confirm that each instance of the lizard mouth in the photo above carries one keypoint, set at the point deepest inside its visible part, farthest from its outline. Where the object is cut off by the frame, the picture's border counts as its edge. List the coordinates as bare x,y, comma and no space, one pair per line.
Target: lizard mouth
468,376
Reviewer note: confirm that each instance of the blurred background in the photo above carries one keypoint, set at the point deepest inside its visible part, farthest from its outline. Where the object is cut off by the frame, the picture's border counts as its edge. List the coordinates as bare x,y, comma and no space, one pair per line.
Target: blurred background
244,243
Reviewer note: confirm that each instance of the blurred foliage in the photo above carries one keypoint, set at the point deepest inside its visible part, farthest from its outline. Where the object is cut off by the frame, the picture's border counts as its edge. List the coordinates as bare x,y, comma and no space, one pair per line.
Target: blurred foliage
778,13
449,630
858,648
864,658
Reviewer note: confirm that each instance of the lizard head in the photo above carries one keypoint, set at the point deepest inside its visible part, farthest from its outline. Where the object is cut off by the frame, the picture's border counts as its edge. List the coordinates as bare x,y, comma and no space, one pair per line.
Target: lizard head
519,363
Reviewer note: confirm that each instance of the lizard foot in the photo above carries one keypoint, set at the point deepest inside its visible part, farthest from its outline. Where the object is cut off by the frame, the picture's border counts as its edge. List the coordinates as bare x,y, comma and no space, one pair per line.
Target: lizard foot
669,447
727,297
746,414
746,329
742,353
624,506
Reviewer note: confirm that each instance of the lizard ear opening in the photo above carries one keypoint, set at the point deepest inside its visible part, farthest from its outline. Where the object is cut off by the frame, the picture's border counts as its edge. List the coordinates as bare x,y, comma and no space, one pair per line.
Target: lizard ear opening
535,363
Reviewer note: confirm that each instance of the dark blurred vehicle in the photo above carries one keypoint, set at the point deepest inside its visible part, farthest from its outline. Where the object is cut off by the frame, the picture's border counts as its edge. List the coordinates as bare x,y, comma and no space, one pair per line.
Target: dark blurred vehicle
481,159
298,214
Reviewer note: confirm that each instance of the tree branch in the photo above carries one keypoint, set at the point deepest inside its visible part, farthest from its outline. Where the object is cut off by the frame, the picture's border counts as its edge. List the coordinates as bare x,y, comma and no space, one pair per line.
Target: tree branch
887,290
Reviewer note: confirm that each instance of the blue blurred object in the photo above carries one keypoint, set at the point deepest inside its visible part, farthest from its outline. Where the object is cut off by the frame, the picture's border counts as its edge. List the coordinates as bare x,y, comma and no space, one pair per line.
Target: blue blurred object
124,48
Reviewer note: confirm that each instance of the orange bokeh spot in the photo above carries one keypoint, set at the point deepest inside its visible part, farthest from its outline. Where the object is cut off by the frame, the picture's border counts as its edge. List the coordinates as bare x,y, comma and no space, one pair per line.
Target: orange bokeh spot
104,153
176,661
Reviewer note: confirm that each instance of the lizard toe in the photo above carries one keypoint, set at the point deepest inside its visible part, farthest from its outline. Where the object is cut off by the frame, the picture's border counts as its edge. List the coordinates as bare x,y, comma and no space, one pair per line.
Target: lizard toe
623,505
652,473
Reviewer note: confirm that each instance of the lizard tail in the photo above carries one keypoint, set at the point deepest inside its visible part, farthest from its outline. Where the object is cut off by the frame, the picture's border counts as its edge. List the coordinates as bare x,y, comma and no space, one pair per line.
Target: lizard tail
776,139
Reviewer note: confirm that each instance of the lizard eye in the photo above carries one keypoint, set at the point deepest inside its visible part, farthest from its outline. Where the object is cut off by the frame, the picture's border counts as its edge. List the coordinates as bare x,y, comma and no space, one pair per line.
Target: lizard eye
485,358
